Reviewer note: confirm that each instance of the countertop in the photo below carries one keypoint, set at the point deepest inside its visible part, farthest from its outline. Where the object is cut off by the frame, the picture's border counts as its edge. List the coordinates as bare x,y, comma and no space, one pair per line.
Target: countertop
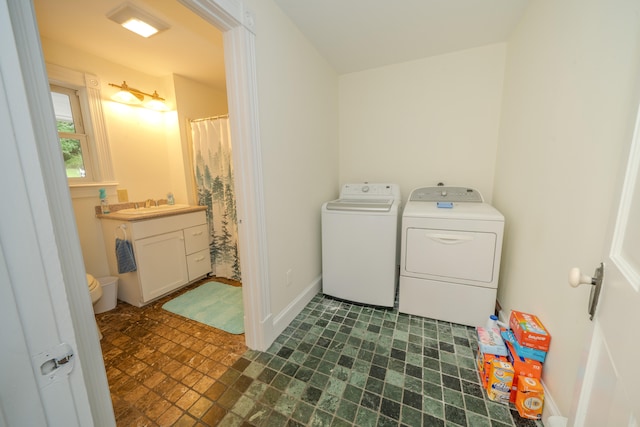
151,214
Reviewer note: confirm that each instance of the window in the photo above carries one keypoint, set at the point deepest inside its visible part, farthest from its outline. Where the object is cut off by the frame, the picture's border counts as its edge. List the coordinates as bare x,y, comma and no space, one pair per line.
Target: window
73,139
77,105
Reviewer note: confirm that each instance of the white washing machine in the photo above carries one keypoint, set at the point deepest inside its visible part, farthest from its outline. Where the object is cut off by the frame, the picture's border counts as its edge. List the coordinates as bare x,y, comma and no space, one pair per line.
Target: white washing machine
360,244
450,255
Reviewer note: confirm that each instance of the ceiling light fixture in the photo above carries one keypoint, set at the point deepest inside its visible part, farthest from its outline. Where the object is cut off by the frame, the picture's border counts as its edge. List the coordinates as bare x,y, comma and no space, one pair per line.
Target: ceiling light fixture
137,20
132,96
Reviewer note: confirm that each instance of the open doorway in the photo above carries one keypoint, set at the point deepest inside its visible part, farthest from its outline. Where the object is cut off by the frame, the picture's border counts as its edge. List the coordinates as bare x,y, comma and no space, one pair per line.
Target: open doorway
243,110
246,164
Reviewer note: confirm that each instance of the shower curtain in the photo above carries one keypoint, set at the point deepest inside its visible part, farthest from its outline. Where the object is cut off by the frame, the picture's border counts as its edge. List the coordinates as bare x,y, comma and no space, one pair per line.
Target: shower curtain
213,168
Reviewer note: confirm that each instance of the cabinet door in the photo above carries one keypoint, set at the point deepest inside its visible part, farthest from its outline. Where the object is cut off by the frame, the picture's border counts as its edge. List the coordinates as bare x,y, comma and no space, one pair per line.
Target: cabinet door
162,264
196,238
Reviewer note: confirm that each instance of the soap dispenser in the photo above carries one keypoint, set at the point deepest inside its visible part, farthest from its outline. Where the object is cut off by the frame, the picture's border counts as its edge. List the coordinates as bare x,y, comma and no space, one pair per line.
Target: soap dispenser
104,203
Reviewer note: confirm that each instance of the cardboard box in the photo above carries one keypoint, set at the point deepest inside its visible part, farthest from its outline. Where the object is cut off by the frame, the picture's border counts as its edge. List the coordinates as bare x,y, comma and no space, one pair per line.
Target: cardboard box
529,398
483,361
500,381
529,331
490,341
526,352
521,367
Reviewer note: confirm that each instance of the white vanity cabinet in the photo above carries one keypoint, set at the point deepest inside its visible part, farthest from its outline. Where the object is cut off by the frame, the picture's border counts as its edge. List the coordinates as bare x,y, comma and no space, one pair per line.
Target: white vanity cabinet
170,252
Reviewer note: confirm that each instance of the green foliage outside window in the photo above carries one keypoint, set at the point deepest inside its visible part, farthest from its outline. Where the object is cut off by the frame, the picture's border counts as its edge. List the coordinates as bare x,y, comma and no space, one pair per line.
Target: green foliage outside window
71,151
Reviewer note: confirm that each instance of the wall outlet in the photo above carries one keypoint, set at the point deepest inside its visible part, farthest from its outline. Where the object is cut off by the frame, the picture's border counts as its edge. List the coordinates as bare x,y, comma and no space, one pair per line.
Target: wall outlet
288,278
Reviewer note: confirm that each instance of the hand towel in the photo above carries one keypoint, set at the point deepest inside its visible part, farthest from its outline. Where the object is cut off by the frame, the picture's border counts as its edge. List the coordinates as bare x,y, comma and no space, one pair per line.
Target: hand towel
124,256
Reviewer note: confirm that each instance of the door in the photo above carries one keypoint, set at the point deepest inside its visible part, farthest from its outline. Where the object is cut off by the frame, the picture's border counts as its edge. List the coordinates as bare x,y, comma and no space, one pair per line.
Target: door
40,279
20,405
609,394
41,379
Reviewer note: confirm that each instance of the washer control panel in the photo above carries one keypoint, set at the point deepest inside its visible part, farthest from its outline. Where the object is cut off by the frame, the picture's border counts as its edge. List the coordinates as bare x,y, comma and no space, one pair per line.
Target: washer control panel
366,189
446,194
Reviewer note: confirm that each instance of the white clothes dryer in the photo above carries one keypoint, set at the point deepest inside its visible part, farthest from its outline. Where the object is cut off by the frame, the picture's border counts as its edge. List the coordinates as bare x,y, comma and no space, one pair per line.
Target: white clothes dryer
360,244
450,255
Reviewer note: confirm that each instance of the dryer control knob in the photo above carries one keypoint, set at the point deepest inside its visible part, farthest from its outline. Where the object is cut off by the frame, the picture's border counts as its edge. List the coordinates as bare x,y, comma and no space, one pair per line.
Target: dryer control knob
365,189
443,193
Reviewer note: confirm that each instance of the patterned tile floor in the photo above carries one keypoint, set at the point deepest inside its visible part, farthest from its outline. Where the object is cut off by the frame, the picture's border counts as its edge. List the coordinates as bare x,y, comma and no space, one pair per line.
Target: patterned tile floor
337,364
164,369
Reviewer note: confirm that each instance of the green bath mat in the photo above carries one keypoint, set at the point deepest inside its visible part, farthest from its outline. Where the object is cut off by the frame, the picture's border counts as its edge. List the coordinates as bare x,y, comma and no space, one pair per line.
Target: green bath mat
212,303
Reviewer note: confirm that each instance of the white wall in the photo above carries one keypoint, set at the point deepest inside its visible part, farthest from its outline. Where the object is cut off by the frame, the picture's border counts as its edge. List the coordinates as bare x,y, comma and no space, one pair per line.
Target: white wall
298,104
570,97
422,122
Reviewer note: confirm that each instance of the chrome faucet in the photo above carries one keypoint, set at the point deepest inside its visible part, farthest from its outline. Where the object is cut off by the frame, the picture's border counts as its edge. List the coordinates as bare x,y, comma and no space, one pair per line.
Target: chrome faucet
147,204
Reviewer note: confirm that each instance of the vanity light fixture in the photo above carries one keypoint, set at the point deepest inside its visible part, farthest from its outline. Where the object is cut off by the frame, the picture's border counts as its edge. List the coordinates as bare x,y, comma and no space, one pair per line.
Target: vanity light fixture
137,20
132,96
156,103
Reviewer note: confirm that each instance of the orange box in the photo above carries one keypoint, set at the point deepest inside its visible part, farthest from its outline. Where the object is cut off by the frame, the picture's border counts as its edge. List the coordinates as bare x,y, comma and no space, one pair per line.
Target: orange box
521,367
529,331
500,381
483,361
530,398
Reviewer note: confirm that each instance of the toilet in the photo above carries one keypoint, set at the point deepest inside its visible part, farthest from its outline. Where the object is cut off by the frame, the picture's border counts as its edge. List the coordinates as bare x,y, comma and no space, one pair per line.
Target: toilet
95,290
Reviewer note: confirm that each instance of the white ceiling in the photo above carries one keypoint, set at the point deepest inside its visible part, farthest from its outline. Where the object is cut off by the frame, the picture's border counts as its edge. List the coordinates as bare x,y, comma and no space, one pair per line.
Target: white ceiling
356,35
353,35
191,47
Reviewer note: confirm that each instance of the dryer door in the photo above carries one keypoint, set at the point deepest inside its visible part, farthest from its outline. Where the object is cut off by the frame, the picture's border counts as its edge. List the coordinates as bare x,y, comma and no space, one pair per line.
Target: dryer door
450,255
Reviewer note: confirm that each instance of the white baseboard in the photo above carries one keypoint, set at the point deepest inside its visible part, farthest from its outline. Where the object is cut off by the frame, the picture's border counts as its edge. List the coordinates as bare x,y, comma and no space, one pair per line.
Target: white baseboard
550,408
286,316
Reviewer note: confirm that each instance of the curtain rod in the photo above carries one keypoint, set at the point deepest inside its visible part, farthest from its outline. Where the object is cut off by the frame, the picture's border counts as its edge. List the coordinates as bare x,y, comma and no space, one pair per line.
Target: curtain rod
224,116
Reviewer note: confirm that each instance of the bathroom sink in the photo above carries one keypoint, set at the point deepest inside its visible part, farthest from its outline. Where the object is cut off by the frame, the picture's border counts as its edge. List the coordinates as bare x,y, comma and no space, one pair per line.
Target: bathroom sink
150,209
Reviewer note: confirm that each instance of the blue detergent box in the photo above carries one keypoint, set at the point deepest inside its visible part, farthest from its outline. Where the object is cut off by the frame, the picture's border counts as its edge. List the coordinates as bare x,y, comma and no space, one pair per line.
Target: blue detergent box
526,352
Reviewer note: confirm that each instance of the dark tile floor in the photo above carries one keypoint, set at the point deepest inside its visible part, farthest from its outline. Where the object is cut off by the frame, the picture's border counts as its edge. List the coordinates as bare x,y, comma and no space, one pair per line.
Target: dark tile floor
337,364
164,369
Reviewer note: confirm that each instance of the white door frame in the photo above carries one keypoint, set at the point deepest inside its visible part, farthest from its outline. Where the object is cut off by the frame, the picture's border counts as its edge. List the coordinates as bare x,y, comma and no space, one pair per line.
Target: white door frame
237,25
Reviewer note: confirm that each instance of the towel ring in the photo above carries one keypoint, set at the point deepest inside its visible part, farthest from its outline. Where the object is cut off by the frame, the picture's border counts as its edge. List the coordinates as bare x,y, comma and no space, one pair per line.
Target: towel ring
122,227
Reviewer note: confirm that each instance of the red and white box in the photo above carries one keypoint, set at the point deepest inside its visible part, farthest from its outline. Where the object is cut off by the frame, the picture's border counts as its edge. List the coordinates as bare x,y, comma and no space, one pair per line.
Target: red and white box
529,331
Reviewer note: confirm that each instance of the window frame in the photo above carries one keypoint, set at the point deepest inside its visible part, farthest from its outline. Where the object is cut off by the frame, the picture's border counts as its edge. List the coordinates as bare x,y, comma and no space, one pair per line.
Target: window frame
88,88
80,134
